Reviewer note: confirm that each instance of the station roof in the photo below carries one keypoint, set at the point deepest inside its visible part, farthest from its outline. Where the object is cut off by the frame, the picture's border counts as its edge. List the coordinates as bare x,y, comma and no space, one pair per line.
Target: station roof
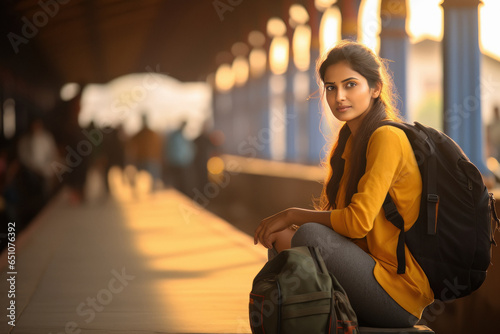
98,40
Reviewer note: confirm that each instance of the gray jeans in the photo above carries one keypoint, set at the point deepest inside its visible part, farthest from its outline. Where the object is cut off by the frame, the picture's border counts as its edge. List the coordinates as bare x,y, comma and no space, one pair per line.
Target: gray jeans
353,268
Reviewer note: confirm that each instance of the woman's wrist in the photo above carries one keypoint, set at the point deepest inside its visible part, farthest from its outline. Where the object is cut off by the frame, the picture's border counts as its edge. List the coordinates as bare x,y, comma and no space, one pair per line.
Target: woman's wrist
294,217
298,217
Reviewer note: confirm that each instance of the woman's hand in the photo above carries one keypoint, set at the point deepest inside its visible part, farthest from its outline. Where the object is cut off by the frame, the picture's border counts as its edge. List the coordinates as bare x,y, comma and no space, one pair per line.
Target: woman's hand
265,232
276,223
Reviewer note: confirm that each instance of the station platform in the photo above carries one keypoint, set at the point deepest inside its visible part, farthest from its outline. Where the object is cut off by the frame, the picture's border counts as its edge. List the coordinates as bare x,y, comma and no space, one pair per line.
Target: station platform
148,263
142,262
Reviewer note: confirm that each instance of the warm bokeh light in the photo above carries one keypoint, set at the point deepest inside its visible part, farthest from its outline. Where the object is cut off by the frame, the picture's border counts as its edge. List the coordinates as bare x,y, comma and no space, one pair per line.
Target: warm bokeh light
298,15
240,71
215,165
301,45
278,55
492,164
224,78
69,91
425,20
276,27
369,24
322,5
256,39
258,62
489,26
330,29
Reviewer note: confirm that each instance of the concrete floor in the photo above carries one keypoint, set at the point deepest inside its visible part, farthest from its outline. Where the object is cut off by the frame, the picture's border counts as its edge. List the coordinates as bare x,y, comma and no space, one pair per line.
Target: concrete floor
151,264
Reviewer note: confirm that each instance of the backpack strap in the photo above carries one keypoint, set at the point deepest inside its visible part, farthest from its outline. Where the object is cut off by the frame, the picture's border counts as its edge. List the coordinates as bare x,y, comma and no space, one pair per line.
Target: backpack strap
392,215
432,196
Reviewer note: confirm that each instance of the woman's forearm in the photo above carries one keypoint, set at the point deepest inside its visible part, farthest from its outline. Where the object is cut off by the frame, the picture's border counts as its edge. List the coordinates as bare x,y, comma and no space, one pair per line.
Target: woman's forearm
300,216
286,219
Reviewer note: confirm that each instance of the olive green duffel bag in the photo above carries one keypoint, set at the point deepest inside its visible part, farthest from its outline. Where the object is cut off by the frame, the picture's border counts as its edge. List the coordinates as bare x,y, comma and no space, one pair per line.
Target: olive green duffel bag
294,293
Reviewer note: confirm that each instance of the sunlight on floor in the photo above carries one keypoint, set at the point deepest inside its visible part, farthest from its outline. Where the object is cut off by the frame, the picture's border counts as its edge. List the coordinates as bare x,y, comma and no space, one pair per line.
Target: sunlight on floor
204,266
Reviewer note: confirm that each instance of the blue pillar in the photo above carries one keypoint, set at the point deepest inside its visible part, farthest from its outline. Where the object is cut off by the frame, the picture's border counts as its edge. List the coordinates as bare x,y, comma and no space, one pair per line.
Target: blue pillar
394,45
262,137
222,116
256,144
240,125
461,78
291,114
301,90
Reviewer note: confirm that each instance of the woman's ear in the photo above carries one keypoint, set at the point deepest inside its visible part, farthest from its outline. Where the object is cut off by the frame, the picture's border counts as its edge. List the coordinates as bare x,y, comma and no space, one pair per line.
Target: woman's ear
376,90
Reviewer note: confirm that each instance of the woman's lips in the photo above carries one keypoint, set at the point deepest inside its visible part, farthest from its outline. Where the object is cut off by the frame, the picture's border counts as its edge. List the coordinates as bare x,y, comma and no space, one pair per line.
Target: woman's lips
342,108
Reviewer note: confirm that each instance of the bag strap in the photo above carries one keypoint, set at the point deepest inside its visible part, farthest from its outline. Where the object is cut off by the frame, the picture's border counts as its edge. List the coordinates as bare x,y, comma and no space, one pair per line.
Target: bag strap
392,215
332,328
432,196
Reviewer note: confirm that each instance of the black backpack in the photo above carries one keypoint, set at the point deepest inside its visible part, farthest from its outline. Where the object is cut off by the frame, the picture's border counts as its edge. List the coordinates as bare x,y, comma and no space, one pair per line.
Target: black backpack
295,293
452,237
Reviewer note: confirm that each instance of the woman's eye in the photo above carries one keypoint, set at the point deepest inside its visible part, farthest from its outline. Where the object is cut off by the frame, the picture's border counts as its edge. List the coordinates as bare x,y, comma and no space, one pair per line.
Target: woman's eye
330,88
351,84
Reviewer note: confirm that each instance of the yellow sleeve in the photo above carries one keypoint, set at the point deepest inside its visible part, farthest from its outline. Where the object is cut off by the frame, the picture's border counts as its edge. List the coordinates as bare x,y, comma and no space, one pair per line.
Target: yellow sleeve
384,157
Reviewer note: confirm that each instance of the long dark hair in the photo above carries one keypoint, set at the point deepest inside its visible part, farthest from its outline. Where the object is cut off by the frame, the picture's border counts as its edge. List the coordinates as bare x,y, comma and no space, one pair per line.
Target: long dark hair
362,60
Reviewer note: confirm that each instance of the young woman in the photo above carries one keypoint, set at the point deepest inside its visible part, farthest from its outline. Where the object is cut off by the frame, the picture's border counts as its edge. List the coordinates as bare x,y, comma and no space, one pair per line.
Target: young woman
368,161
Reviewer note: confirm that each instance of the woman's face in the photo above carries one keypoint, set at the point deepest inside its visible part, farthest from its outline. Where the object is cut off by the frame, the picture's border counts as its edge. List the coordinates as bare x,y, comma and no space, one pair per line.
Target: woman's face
348,94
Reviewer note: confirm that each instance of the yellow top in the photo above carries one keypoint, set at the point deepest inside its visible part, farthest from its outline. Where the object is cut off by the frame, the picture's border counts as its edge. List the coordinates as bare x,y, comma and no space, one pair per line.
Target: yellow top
391,167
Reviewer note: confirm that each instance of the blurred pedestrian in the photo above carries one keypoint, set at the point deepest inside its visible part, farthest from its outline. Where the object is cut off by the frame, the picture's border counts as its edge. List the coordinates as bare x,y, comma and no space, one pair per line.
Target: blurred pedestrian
113,151
204,150
180,153
37,150
145,150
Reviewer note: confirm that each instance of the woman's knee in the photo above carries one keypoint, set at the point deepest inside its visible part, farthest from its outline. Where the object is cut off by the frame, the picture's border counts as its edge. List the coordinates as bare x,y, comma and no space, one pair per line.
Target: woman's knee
311,234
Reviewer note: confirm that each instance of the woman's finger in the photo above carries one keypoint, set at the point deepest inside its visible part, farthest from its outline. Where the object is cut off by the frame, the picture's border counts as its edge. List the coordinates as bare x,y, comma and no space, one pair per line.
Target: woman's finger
258,233
269,241
263,233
